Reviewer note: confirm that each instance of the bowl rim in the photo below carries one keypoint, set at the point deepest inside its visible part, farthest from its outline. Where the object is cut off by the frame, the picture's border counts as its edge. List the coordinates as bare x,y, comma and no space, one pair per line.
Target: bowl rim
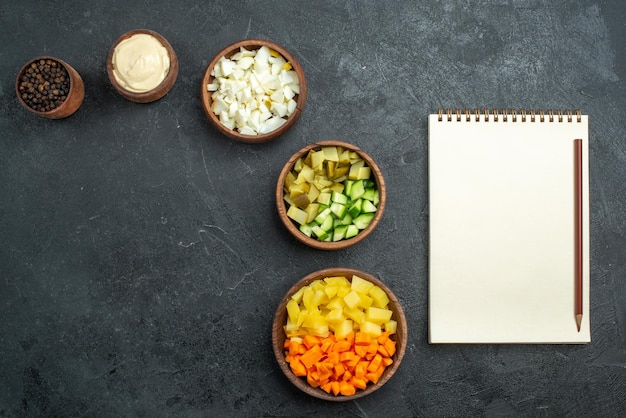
205,95
279,337
166,84
75,95
345,243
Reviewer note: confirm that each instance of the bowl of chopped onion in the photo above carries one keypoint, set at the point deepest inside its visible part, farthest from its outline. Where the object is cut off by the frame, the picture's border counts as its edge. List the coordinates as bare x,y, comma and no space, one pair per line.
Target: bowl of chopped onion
339,334
330,195
253,91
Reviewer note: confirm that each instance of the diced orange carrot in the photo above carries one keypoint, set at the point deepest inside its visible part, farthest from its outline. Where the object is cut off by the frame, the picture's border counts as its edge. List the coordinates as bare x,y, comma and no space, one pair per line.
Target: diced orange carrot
311,380
374,364
312,356
346,389
341,346
390,346
327,387
338,370
362,338
332,357
327,345
311,340
341,366
359,383
382,350
297,367
360,350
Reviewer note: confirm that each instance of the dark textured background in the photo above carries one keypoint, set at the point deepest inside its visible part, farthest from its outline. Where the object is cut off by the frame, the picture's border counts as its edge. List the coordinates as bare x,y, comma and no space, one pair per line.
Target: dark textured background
141,256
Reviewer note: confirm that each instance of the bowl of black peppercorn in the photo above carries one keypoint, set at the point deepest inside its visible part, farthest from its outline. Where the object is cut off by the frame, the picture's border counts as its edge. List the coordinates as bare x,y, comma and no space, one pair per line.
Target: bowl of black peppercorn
49,87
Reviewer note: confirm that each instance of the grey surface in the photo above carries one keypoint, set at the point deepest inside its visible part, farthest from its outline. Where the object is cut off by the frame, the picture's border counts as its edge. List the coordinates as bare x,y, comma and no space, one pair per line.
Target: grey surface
141,256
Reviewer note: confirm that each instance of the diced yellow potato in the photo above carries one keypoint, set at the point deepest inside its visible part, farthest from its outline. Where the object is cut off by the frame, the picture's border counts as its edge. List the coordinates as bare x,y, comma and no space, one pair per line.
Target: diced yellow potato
371,328
336,303
322,182
391,326
321,331
357,315
377,315
339,281
298,295
352,299
291,327
297,214
293,310
331,291
307,298
313,320
360,285
343,329
319,298
366,301
335,316
343,291
381,300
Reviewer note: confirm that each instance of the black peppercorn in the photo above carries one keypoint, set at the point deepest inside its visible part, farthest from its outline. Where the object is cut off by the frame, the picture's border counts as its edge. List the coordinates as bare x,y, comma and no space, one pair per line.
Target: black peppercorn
44,85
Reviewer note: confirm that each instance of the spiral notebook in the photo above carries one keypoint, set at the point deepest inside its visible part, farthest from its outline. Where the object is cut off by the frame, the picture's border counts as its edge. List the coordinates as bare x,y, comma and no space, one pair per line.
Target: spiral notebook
509,227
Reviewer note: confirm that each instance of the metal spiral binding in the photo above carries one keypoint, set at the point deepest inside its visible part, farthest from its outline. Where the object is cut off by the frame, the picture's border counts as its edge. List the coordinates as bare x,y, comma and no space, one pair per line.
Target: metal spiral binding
524,115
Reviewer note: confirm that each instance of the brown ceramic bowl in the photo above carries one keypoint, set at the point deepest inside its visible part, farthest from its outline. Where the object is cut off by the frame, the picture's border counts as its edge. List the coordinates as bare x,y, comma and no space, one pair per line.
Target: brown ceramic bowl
278,335
159,91
207,100
73,100
293,227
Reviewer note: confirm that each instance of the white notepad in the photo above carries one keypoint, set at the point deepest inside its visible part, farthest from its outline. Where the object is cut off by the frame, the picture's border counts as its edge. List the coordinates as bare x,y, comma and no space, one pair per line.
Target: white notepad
502,227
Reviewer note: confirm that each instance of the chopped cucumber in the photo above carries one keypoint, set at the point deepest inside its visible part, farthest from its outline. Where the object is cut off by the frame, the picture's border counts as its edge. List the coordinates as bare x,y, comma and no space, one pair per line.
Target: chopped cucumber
321,217
319,232
357,190
306,229
330,194
352,231
339,232
339,198
355,209
338,209
363,220
369,194
328,223
368,207
346,220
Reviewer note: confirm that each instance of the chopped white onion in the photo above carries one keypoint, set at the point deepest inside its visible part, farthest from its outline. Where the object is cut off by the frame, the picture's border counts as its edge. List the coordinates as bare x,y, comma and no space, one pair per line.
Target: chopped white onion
254,91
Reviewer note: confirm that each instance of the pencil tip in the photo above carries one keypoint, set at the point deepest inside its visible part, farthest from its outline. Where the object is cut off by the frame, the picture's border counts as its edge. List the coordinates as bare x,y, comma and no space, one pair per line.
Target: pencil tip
579,319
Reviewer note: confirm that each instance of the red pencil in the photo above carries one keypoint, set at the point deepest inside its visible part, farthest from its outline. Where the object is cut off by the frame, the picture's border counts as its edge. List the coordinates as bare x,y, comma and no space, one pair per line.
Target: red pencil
578,195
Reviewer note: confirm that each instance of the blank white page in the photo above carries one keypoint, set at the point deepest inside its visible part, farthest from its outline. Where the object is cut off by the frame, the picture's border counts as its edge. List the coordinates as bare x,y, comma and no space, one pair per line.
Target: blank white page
502,248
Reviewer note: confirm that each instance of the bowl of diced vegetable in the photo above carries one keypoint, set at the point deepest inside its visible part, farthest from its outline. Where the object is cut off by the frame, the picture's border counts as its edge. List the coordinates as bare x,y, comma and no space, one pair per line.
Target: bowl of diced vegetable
339,334
330,195
253,91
